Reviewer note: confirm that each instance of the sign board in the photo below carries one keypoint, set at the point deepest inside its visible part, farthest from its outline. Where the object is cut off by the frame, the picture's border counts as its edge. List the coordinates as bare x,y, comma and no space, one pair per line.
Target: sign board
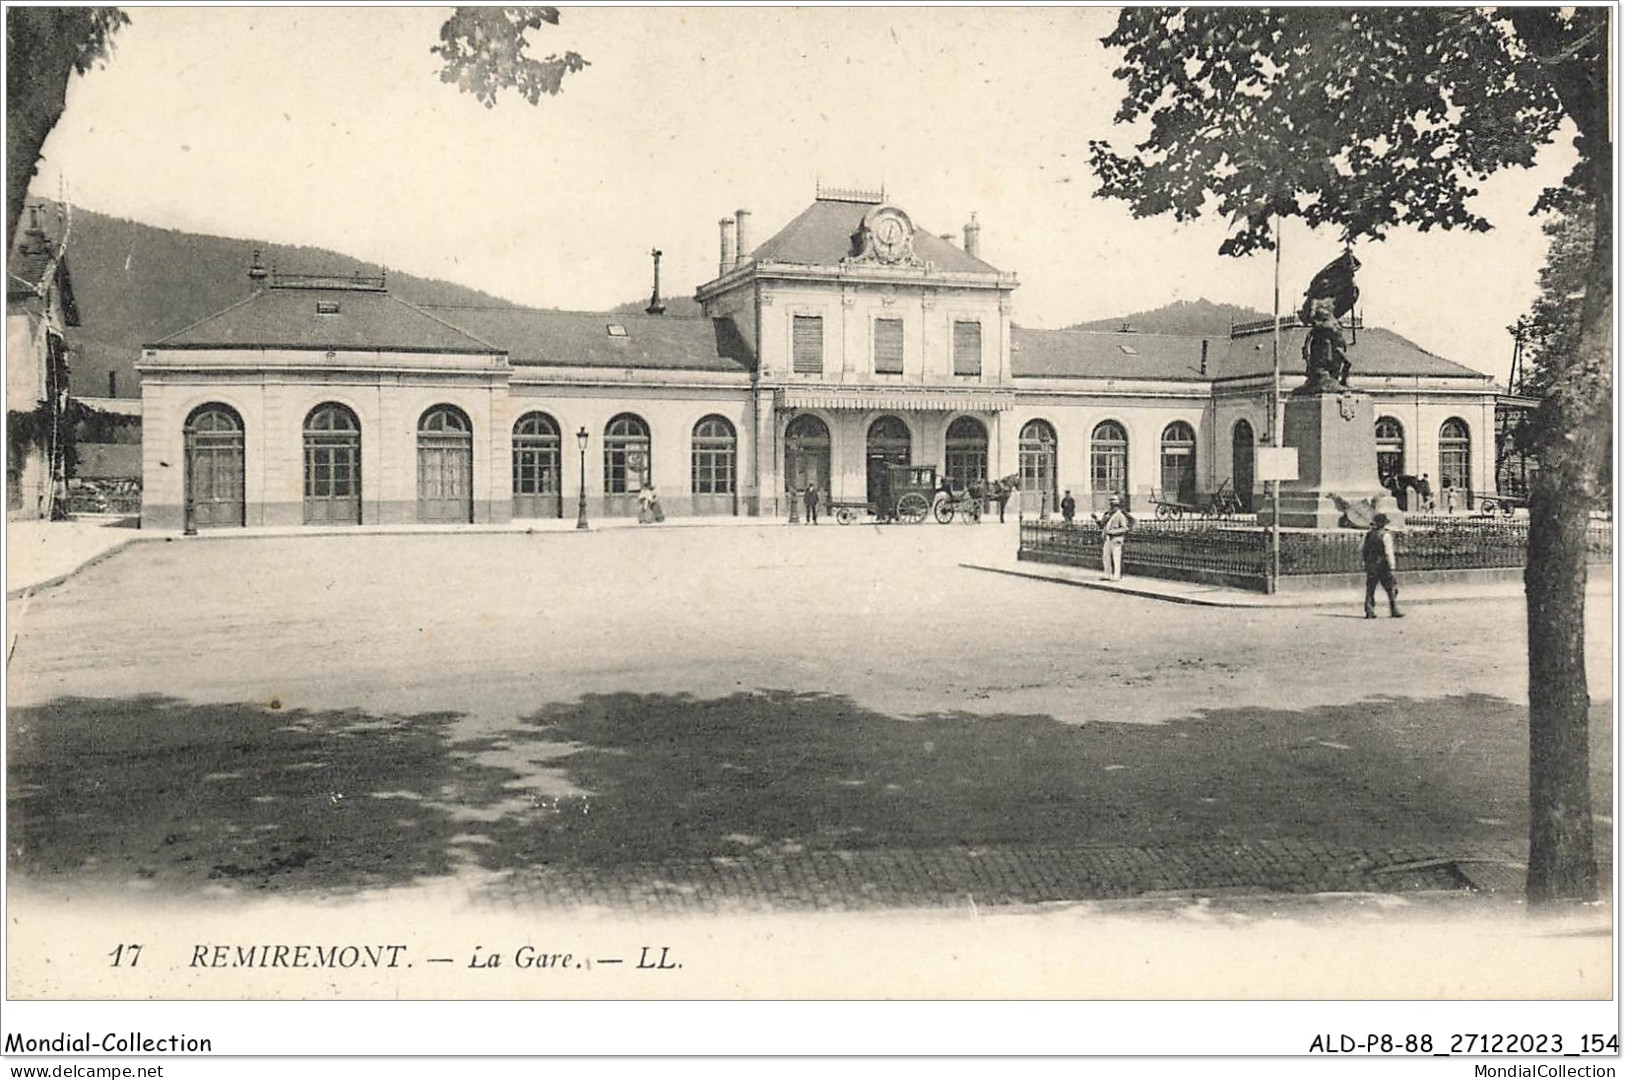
1276,463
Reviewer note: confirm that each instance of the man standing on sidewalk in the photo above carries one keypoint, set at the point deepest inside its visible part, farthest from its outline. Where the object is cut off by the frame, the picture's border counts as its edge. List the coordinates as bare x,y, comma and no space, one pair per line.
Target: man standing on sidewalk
1378,553
810,498
1113,528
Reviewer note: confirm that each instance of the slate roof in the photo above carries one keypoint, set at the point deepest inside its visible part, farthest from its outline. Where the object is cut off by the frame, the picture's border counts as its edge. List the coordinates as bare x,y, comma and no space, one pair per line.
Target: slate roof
1100,354
821,235
534,338
30,260
366,319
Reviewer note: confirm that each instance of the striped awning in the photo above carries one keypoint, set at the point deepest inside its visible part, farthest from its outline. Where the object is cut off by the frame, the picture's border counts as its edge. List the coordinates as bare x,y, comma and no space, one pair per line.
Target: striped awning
894,398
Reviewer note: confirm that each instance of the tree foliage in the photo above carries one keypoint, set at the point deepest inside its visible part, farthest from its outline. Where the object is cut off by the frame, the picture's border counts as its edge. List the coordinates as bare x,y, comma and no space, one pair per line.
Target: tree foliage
1551,330
45,46
485,50
1360,118
1368,119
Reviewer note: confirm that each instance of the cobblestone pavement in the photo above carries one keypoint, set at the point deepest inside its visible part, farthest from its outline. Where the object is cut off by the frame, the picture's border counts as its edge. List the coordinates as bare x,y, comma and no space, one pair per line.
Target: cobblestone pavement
961,876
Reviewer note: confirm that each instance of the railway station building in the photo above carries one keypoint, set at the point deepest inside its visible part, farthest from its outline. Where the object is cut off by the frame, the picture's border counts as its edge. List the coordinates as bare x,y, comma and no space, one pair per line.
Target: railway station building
849,339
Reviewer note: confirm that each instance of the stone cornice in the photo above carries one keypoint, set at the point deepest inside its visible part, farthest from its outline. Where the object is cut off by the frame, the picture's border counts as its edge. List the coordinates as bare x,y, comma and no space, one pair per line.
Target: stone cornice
855,274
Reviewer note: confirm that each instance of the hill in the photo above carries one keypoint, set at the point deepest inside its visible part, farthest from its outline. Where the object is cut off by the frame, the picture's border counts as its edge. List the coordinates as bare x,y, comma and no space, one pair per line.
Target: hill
1194,317
136,284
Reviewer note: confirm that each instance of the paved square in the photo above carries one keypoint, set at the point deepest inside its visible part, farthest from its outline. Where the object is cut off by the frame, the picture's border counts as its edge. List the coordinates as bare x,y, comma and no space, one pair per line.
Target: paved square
762,717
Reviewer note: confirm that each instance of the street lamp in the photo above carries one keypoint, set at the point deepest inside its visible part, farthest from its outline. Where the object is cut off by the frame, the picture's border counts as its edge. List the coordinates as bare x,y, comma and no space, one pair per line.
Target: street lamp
581,502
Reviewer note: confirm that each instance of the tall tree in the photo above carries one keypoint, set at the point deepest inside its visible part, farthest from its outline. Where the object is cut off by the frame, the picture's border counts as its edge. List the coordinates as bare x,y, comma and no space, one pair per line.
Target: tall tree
45,47
1368,119
484,51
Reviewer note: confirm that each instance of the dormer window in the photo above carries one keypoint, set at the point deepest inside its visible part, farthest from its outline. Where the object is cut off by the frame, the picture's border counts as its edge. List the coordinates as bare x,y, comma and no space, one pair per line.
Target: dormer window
616,330
327,307
1129,350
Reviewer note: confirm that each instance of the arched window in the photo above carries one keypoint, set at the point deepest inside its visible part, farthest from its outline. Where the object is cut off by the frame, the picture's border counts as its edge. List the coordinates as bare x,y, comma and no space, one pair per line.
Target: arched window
626,455
1037,453
214,465
332,466
445,465
1108,461
889,439
536,466
967,452
1456,459
1178,461
715,450
1390,450
1243,459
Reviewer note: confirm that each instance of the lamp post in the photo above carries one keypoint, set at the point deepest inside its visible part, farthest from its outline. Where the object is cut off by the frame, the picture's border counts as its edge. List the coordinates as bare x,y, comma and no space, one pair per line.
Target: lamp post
581,501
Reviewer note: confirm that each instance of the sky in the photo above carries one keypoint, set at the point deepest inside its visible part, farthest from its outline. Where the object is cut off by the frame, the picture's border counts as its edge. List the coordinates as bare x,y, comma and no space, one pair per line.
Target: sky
331,127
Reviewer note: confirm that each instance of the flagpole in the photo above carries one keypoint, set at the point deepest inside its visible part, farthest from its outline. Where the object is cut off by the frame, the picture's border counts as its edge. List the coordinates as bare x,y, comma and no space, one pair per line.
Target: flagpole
1279,419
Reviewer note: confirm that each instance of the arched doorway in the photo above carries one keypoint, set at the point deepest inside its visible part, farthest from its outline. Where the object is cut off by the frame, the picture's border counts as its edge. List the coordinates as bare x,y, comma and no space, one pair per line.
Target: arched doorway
214,465
1179,462
332,466
967,452
1390,450
445,466
806,455
1108,463
714,466
1037,455
628,468
1455,464
536,475
888,444
1243,455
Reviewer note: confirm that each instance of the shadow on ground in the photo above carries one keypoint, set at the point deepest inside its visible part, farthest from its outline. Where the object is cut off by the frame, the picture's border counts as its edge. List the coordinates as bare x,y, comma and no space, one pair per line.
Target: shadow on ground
154,790
180,796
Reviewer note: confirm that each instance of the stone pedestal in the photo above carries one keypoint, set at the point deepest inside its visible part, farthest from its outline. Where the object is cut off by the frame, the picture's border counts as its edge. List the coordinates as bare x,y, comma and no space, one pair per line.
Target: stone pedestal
1335,435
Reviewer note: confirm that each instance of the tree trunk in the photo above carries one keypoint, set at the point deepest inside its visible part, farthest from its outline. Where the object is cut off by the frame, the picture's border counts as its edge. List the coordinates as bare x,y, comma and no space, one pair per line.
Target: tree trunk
1574,424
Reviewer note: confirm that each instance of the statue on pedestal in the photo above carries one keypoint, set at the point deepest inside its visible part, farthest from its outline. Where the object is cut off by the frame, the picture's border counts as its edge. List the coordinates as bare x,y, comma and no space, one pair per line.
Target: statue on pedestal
1331,295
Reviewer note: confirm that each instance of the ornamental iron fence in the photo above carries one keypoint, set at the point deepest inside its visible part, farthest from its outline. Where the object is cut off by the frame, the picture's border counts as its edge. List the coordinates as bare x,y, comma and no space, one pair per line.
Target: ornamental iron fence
1239,555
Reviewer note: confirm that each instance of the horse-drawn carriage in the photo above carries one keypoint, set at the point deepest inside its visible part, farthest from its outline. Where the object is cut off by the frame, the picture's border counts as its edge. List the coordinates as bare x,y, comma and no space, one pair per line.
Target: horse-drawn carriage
910,493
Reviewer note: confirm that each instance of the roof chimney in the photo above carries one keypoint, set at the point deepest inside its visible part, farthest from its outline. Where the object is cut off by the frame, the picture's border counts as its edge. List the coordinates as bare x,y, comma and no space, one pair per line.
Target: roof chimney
34,239
655,306
726,258
973,238
257,273
742,235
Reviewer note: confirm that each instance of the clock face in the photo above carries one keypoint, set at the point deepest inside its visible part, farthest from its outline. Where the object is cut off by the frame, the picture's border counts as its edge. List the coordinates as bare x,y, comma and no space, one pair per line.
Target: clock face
890,234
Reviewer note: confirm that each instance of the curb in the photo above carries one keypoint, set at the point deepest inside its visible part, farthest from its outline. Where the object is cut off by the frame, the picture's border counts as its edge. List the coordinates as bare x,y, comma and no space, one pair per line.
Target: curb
1114,587
26,591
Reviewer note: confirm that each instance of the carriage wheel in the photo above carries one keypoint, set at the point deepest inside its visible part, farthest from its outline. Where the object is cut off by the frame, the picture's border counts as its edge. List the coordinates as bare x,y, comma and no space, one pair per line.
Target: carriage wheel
970,514
943,511
846,515
912,508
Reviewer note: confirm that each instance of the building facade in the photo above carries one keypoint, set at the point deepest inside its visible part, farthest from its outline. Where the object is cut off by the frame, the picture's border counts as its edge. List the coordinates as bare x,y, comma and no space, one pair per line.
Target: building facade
39,307
849,340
